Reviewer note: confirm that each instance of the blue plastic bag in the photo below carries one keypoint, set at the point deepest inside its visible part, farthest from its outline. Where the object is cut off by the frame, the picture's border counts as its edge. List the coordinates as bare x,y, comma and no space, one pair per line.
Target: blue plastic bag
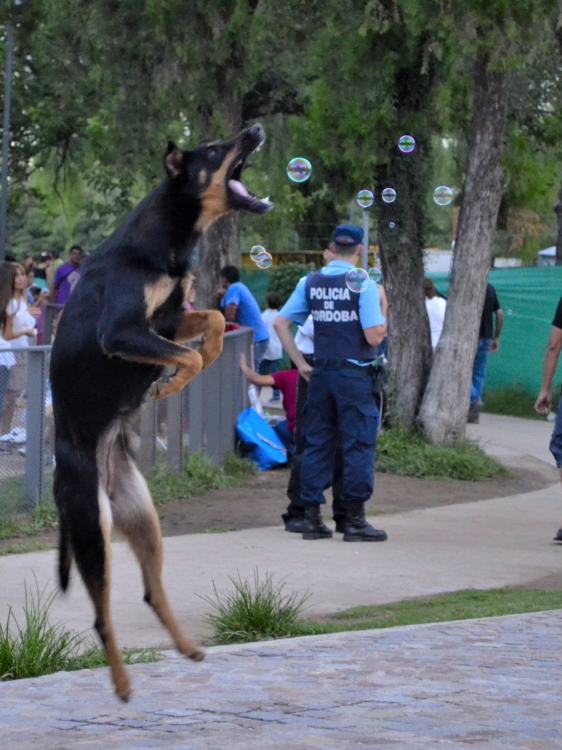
259,441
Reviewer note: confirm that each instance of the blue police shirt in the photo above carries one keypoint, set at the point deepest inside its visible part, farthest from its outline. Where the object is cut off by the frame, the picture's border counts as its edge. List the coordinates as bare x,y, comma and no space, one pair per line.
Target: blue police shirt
248,312
297,308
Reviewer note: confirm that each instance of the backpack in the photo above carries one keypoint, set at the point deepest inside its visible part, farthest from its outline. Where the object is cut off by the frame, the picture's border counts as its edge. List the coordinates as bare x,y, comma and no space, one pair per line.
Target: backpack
259,441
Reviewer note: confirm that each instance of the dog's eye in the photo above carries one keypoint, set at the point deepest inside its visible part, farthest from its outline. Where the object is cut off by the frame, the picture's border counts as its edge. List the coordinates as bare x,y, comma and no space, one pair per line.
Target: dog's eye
211,151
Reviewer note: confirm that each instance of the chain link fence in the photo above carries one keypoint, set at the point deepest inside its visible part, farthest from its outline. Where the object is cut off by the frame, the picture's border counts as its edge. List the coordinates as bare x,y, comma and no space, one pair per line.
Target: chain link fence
201,417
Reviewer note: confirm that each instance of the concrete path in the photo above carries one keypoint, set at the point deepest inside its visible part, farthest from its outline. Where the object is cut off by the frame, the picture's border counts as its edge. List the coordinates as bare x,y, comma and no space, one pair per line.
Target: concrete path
499,542
486,684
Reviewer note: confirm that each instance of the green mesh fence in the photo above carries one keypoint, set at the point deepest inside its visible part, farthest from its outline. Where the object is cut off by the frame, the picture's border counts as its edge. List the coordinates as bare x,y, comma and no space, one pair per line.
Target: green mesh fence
528,298
257,282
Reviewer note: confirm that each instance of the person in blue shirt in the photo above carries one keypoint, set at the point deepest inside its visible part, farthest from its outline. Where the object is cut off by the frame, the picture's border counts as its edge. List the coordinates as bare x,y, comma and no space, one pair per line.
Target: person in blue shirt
340,408
239,306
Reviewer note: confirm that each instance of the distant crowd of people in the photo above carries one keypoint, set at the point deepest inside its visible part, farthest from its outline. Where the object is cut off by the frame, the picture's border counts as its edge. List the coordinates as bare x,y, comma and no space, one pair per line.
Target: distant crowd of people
25,290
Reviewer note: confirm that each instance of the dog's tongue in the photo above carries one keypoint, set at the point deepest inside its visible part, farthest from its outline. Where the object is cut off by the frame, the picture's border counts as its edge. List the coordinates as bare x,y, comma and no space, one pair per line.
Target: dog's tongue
238,187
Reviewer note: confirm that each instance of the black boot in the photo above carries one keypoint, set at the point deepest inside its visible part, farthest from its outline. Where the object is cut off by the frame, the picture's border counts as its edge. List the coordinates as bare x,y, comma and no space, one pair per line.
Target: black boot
340,524
313,527
294,524
356,527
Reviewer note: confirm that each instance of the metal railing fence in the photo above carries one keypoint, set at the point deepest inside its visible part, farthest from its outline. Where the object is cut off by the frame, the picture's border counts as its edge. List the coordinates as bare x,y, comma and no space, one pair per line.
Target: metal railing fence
201,417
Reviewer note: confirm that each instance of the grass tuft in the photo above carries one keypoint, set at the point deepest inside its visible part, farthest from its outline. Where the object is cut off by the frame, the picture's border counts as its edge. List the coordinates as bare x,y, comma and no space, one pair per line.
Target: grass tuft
255,611
37,647
199,476
410,454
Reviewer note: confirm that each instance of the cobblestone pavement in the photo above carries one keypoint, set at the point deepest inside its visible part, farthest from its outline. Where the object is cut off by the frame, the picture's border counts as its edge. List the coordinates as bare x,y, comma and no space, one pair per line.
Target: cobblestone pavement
490,684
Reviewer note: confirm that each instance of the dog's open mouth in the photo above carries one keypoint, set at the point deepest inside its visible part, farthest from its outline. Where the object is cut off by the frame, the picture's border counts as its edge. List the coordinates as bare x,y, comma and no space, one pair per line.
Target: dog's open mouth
239,197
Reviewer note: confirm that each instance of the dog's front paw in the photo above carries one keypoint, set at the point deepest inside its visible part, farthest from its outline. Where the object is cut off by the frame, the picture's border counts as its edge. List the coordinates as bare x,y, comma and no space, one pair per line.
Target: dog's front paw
160,388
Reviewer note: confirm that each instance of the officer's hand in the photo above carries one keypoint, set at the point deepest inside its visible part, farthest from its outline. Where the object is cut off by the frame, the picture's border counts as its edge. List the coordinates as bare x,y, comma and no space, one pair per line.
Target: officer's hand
304,370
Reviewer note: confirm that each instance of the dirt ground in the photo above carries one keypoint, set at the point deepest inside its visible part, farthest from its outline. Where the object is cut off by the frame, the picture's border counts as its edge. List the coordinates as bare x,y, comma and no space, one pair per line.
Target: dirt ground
262,501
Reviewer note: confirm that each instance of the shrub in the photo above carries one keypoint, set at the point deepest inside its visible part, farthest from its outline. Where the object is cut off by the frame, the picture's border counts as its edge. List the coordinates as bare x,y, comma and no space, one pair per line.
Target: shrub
410,454
199,476
283,279
255,611
37,647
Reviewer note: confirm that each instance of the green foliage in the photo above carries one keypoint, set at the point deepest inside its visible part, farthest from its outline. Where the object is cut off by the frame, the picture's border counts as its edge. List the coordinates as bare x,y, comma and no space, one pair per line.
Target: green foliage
514,401
37,647
254,611
199,476
283,279
44,517
409,454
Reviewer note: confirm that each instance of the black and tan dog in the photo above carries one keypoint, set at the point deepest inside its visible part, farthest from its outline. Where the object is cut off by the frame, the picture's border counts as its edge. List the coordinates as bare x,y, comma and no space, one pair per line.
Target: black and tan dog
123,324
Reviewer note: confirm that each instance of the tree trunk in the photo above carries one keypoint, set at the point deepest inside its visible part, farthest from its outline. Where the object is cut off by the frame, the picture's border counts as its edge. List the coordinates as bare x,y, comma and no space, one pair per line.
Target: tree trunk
446,400
401,242
217,248
558,211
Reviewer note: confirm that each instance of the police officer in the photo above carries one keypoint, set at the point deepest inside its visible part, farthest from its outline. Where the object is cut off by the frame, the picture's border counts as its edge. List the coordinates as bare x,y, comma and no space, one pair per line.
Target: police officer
340,407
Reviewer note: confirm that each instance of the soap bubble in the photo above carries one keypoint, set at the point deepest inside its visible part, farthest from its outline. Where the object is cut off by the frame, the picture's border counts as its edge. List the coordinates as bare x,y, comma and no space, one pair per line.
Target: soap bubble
510,312
406,144
365,198
443,195
388,195
357,280
299,170
375,274
264,260
392,225
256,251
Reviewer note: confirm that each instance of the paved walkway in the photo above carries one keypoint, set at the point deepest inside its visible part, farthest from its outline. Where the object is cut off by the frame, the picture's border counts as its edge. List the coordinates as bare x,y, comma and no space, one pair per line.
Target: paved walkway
499,542
492,684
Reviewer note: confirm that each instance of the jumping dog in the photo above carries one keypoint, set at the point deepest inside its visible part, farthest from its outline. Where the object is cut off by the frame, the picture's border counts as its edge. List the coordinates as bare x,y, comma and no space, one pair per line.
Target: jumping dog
123,323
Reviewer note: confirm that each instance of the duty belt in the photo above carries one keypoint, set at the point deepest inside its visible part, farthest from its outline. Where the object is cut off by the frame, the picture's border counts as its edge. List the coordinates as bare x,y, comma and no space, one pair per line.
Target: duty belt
342,364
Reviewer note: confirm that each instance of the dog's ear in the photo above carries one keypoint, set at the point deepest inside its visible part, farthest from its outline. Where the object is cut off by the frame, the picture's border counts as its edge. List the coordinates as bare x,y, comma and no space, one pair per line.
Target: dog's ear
174,161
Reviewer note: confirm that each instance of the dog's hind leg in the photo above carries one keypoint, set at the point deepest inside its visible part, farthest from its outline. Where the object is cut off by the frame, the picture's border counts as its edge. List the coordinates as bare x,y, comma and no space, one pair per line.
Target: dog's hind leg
85,507
135,517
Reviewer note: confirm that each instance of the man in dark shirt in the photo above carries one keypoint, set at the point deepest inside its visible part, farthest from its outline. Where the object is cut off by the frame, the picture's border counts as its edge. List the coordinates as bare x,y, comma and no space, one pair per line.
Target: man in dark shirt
488,341
543,404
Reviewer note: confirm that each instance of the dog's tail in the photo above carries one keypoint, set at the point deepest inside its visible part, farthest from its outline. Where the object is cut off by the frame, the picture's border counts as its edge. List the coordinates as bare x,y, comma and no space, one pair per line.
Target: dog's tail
76,497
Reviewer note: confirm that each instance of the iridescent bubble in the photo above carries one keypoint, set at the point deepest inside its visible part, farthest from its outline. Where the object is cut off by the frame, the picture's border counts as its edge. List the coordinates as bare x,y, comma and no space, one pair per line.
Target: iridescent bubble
256,251
357,280
299,169
406,144
443,195
264,260
392,225
365,198
510,312
388,195
375,274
